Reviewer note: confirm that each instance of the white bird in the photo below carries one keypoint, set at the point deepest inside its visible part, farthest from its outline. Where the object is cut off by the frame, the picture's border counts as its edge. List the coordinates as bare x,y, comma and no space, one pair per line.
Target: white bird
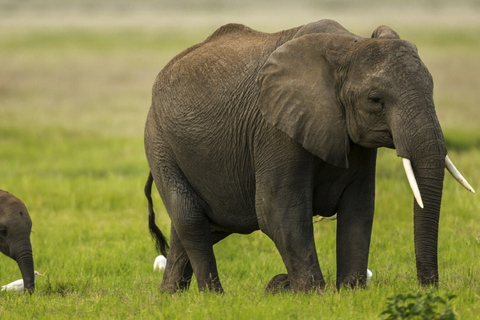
18,284
160,263
320,218
369,275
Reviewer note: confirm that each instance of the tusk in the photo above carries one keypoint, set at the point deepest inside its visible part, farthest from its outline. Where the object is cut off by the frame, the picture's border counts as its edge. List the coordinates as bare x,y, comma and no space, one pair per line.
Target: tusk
407,165
457,175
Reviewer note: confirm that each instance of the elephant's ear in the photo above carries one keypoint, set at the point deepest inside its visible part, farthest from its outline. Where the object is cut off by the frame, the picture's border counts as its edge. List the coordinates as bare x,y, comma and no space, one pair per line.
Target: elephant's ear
298,95
384,32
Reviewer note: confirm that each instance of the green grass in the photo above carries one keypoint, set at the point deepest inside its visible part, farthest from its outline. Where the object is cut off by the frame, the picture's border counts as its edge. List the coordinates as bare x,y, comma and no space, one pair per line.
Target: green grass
72,106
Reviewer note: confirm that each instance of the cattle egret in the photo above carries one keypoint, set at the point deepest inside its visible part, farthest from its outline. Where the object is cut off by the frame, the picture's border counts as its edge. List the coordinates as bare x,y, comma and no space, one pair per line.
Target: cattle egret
320,218
160,263
369,275
17,285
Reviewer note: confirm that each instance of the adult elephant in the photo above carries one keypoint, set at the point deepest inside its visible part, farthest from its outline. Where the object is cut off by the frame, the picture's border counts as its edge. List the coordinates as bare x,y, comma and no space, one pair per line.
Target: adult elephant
249,130
15,228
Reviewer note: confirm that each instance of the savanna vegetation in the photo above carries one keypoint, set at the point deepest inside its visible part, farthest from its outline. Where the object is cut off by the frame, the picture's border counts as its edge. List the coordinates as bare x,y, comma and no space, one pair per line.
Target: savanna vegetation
74,92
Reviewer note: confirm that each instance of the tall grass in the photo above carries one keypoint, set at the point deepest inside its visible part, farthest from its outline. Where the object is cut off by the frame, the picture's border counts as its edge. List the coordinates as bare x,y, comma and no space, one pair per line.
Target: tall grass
73,103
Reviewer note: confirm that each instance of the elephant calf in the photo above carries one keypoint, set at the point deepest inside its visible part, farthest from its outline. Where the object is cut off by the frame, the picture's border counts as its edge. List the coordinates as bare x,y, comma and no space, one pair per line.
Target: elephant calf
15,228
250,130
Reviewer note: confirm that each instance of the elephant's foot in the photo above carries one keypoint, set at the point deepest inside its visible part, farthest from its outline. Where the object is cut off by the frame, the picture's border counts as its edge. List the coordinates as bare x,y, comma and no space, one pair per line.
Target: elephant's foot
212,284
282,283
169,287
353,282
279,283
428,281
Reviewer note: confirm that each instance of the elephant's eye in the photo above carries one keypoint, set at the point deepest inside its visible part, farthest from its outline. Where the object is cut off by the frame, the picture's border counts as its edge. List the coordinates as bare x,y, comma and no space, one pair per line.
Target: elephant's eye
3,232
376,99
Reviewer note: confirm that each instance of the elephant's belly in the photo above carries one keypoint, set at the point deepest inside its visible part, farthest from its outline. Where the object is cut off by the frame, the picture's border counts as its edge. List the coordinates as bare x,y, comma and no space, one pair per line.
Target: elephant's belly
324,210
234,216
228,197
244,223
326,198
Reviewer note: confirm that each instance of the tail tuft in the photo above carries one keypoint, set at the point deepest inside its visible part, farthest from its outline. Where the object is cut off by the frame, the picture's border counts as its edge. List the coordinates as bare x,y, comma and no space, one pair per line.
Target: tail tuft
160,242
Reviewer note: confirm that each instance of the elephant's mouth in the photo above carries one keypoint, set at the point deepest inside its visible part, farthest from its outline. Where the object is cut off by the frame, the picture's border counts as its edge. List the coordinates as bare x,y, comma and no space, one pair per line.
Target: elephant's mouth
389,140
378,139
5,250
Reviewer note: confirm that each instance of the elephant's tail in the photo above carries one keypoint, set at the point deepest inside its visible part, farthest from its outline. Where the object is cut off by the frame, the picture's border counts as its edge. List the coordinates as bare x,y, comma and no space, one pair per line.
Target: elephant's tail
157,235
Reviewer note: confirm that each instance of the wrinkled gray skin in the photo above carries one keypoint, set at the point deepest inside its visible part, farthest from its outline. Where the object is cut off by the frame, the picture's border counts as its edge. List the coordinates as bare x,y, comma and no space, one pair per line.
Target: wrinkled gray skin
15,228
250,130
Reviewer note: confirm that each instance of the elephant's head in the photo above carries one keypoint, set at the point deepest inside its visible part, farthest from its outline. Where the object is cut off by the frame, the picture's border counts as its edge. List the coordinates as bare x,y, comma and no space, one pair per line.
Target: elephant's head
15,228
329,90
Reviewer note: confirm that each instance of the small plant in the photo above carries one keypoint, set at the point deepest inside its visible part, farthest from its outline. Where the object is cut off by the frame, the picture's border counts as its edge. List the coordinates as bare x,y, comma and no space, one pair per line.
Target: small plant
422,305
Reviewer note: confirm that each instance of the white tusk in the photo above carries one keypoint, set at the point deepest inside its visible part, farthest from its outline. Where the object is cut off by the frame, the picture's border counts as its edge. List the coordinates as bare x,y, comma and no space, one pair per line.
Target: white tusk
407,165
457,175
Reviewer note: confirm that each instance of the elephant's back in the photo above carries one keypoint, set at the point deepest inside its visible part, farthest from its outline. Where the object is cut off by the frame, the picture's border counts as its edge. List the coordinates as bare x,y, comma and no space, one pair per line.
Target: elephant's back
236,39
210,73
209,90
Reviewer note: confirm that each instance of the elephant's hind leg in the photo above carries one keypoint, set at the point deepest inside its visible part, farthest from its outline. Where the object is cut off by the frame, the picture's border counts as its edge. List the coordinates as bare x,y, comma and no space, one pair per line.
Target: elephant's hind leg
191,234
178,272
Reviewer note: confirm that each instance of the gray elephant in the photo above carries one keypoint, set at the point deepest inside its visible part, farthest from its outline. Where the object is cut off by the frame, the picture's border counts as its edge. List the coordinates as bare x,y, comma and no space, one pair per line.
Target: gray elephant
250,130
15,228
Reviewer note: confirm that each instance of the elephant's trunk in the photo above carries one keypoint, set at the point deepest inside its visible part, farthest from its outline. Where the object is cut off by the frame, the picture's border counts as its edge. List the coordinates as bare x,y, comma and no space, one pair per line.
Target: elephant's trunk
429,173
24,258
420,140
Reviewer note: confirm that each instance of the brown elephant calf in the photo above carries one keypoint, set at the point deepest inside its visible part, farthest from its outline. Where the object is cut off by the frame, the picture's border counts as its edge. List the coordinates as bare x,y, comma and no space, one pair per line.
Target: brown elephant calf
15,229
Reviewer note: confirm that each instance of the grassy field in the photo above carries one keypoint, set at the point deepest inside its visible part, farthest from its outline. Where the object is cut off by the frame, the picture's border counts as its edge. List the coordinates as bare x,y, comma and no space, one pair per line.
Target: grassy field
73,100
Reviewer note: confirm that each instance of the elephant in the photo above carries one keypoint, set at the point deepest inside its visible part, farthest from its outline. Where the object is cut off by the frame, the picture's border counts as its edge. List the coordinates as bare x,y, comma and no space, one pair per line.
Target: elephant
15,229
262,131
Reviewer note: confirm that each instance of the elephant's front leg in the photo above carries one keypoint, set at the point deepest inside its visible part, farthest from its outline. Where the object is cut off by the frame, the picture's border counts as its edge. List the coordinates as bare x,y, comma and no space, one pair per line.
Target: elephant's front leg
353,242
292,232
284,209
354,221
